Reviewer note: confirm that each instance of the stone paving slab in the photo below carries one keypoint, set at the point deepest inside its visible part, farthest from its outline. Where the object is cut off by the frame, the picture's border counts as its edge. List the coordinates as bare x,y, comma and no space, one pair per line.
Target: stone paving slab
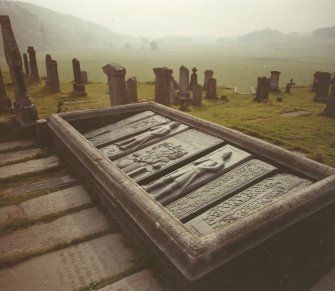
63,230
142,281
45,205
18,156
29,167
40,186
14,145
71,268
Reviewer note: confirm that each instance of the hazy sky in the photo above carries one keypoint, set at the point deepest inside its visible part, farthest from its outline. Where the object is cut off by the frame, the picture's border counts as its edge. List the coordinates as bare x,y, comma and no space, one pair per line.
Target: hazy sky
211,18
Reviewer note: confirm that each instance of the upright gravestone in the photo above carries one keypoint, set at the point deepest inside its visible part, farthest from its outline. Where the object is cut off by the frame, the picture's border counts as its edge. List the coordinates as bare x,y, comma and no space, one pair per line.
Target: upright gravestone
208,74
33,64
5,103
289,86
330,109
316,78
184,82
263,88
162,85
274,81
173,91
117,84
194,78
47,67
26,64
211,89
132,90
78,86
321,92
197,95
84,77
25,111
54,79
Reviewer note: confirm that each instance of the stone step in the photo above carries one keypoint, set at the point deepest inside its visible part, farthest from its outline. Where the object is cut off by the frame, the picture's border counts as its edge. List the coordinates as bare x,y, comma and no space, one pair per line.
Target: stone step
42,237
18,156
71,268
41,186
15,145
142,281
49,204
29,167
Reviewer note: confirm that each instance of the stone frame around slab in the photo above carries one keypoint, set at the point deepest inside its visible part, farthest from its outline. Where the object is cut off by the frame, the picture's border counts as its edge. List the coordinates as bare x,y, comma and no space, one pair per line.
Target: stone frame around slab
193,260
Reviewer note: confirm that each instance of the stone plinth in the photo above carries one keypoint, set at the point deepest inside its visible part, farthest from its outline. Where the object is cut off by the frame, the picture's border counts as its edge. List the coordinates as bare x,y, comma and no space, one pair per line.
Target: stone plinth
78,86
34,76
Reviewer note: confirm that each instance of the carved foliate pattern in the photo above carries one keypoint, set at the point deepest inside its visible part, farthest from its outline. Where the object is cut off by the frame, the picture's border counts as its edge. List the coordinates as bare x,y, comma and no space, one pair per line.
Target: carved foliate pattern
132,128
220,188
250,200
123,122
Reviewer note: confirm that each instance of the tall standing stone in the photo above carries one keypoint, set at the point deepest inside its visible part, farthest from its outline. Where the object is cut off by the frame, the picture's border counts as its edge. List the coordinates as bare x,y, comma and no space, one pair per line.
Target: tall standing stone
47,67
194,78
5,103
274,81
25,111
78,86
26,64
117,84
33,64
316,77
208,74
321,92
211,89
84,77
162,85
54,78
197,95
173,91
132,90
330,109
263,89
184,82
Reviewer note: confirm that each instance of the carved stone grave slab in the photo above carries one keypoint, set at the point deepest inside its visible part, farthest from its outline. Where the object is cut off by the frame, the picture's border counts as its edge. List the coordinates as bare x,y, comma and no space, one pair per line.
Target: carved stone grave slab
153,159
245,203
217,190
125,131
190,177
136,142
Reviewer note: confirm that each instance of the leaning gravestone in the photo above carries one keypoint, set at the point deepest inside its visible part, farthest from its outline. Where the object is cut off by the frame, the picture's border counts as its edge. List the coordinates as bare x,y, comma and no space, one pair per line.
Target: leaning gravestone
78,85
25,111
209,200
321,92
34,76
5,103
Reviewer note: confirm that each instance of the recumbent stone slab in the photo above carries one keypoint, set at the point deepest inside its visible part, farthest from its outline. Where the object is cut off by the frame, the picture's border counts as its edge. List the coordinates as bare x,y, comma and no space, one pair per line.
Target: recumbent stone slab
142,281
153,159
14,157
136,142
63,230
71,268
195,174
123,122
217,190
125,131
37,187
49,204
29,167
246,203
15,145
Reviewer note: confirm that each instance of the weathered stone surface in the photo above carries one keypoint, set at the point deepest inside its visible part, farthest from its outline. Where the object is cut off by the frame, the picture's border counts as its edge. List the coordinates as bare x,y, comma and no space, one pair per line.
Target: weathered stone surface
14,157
219,189
246,203
211,88
195,174
78,85
194,78
5,102
326,283
330,108
71,268
162,85
15,145
34,76
142,281
208,74
37,187
123,122
63,230
263,89
116,75
184,79
128,130
164,154
132,90
26,64
274,81
136,142
322,87
28,167
45,205
84,77
197,95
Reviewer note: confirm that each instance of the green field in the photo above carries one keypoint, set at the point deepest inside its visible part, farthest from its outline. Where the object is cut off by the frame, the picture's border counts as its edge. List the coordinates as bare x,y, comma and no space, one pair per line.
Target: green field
234,66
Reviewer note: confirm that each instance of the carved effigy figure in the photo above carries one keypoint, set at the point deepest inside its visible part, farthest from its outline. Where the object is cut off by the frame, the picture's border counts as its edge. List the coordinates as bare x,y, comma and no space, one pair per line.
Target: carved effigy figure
137,141
184,177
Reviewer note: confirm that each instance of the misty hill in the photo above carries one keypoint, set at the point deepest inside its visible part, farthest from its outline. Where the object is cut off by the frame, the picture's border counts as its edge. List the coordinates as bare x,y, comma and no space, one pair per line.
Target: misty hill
266,35
44,28
326,32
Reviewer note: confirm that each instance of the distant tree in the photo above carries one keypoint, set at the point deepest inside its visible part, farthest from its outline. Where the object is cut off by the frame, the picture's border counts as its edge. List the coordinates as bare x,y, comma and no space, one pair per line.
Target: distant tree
154,46
127,46
326,32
